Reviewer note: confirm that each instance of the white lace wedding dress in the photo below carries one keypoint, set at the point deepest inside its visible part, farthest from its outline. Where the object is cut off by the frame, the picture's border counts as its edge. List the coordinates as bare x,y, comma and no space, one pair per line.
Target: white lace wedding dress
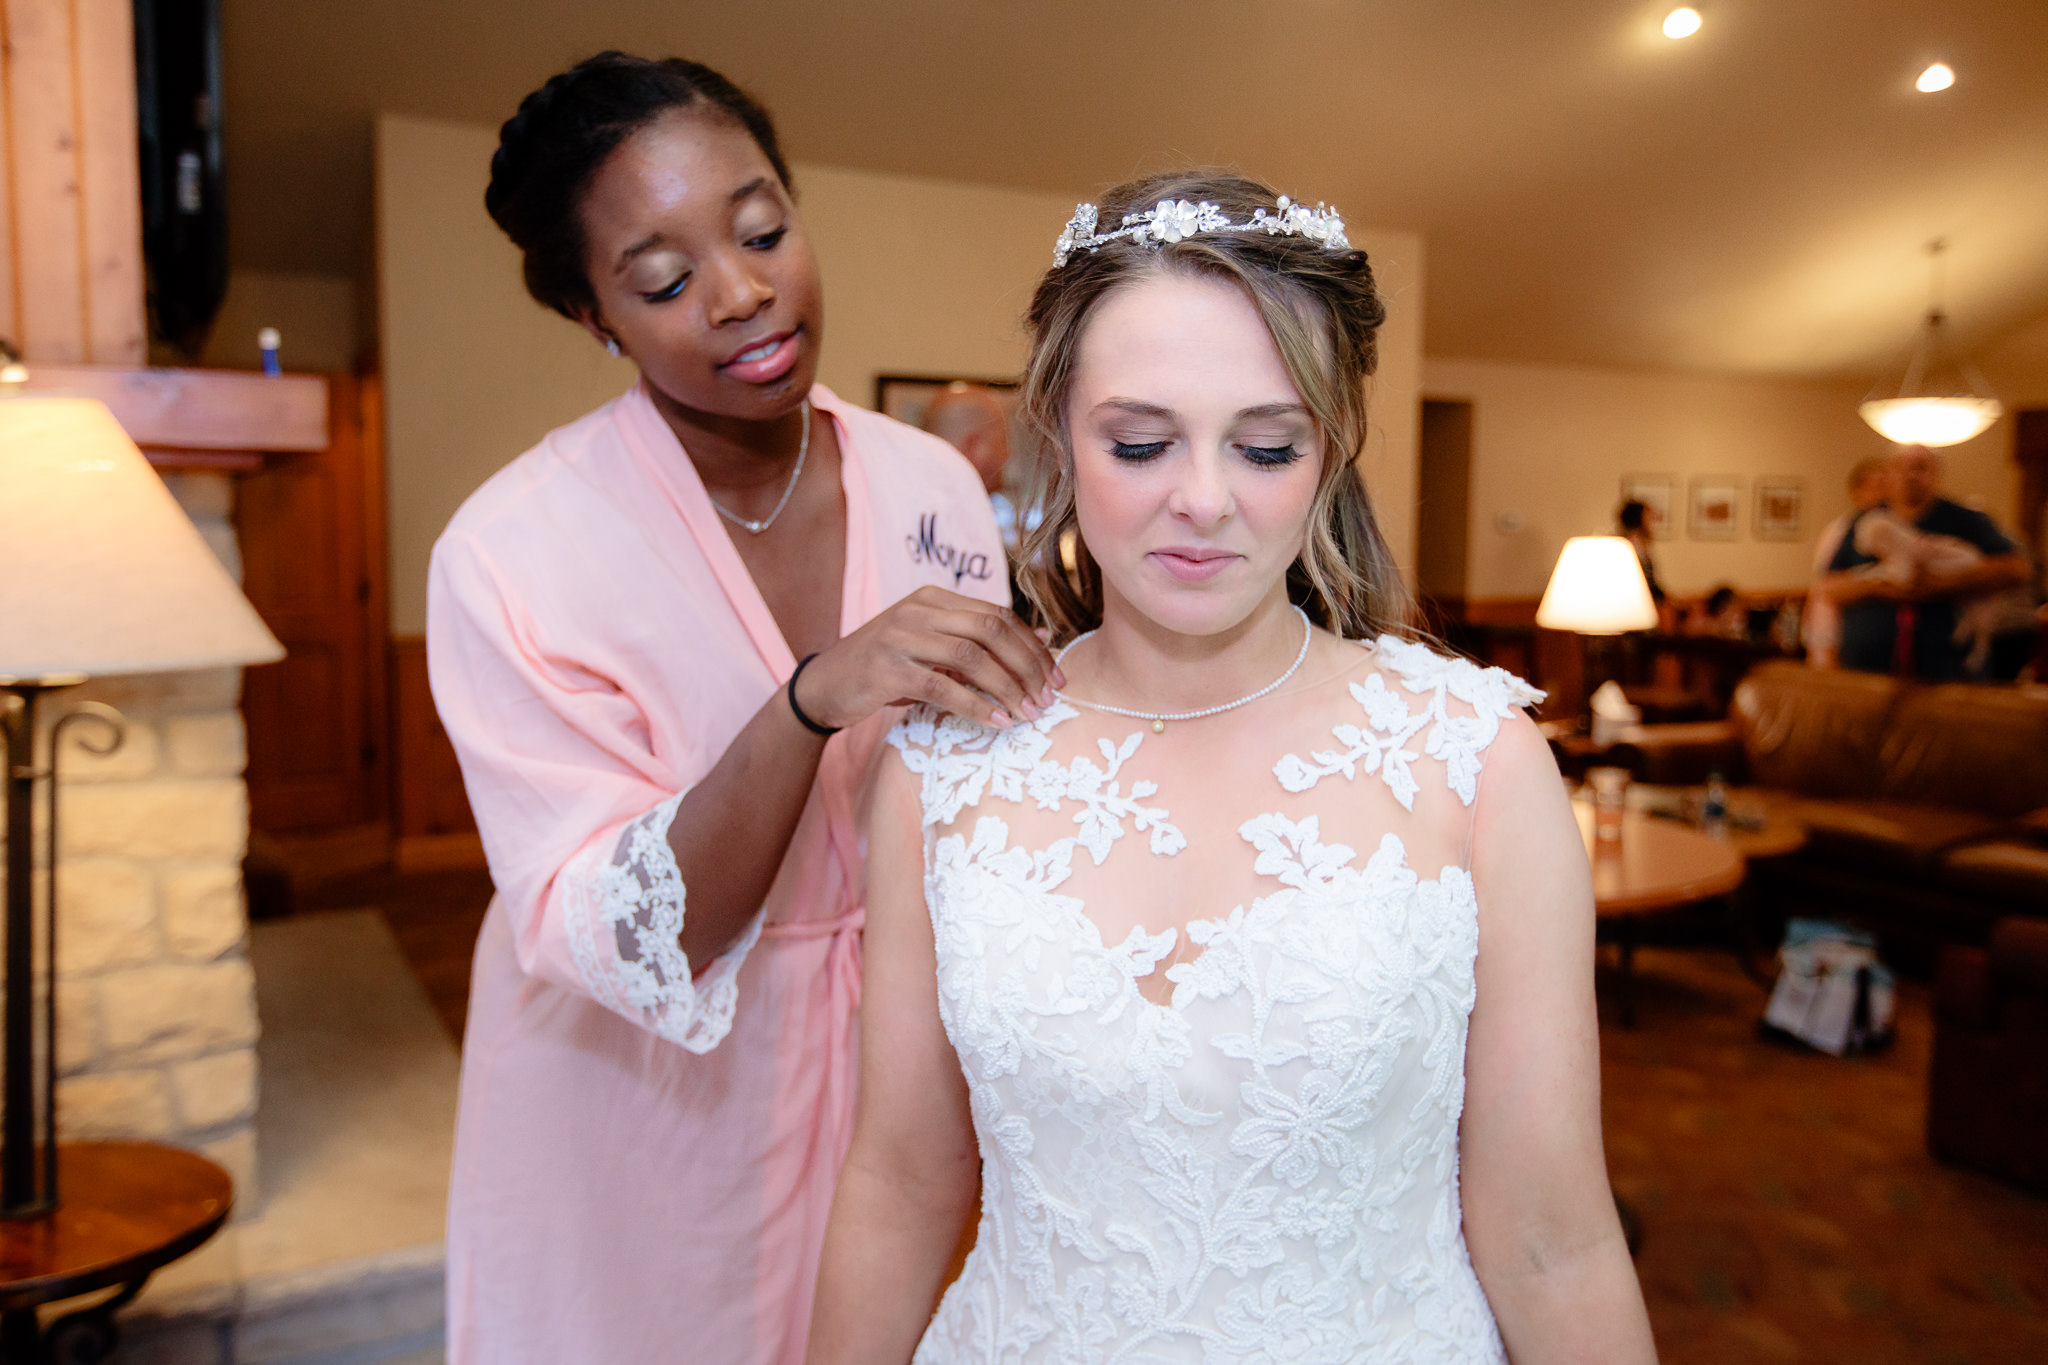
1262,1166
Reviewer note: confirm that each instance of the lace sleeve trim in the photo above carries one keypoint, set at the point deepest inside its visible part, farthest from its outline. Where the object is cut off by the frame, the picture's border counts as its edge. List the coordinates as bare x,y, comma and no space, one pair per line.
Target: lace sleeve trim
1382,744
623,911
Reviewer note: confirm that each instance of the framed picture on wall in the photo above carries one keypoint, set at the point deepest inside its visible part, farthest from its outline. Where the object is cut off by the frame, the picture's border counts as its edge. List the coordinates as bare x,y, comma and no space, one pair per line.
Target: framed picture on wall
1656,493
1715,509
904,396
1780,509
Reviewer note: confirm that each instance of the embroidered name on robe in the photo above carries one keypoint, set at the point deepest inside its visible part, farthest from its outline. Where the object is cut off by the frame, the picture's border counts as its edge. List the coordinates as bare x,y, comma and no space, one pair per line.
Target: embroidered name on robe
927,548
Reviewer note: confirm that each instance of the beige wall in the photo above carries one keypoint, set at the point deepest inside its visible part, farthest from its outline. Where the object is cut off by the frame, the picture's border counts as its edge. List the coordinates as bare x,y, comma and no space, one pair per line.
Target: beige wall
1551,444
1393,447
318,317
474,372
921,276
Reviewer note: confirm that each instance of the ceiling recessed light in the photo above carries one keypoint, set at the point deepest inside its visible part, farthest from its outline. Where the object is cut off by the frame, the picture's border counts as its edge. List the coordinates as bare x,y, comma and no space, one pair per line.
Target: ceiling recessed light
1936,77
1681,23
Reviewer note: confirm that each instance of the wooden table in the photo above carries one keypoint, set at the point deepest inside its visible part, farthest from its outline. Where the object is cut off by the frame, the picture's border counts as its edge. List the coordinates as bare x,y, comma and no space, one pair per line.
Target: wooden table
126,1209
1656,865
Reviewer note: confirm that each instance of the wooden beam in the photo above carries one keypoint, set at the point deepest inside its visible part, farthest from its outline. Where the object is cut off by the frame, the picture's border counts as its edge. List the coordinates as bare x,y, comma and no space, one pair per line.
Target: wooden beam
200,409
110,180
10,313
71,287
49,264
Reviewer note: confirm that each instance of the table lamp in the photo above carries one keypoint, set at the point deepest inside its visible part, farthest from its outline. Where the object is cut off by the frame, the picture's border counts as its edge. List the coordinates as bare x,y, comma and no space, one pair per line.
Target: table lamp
1597,590
101,573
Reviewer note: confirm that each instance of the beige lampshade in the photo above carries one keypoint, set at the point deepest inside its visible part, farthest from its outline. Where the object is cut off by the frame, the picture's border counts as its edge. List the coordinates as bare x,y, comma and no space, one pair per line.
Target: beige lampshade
1597,588
100,570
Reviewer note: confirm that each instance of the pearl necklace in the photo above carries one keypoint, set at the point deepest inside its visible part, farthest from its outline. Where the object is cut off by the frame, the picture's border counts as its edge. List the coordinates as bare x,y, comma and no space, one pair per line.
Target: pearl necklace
803,448
1159,719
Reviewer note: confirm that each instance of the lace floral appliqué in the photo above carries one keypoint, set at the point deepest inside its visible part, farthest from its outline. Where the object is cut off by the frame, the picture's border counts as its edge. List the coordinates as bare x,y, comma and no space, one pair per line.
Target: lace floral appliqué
624,915
1381,744
962,762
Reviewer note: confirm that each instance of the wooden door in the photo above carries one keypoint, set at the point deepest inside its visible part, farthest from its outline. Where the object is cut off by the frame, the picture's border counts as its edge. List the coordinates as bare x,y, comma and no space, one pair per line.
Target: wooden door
311,529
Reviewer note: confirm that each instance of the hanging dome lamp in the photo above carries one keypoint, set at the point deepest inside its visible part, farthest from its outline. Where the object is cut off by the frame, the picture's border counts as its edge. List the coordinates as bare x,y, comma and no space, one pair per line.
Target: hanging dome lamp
1940,398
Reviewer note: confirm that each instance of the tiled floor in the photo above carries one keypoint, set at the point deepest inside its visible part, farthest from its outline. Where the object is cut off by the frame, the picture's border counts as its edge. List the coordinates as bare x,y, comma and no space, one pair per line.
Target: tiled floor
1790,1211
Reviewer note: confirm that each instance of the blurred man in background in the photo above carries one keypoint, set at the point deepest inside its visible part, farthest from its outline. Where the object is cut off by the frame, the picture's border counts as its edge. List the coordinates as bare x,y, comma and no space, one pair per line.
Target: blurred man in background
971,419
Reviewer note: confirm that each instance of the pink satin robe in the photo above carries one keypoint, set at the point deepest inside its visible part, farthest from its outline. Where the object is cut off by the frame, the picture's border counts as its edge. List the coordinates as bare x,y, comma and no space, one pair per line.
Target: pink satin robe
646,1148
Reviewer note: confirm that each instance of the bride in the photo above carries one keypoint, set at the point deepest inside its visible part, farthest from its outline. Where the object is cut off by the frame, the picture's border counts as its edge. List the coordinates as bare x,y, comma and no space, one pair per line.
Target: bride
1255,974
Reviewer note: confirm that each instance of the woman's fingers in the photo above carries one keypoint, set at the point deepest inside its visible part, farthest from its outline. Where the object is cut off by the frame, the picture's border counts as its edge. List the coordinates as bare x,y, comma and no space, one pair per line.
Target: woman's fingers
985,635
945,650
958,653
1024,650
930,685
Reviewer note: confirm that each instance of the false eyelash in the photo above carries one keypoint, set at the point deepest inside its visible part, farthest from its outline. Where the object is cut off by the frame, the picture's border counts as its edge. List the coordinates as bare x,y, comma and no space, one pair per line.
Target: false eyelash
1136,454
1271,457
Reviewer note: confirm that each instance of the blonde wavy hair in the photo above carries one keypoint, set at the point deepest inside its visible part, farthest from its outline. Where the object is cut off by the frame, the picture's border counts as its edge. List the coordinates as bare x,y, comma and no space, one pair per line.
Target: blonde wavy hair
1324,316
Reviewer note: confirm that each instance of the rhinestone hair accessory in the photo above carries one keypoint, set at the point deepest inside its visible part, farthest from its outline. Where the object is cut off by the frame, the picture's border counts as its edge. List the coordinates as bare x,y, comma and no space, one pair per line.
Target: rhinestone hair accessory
1174,220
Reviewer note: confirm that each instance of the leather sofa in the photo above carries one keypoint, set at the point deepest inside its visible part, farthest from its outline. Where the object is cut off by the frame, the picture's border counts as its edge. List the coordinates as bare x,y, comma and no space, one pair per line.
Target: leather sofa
1987,1089
1926,806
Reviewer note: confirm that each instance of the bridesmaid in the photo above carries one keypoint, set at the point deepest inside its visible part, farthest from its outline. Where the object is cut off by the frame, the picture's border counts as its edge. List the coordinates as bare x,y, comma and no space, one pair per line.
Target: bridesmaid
647,635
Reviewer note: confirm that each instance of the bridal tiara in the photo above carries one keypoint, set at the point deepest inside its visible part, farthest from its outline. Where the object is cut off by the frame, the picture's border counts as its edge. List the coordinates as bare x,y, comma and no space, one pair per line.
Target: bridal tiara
1175,220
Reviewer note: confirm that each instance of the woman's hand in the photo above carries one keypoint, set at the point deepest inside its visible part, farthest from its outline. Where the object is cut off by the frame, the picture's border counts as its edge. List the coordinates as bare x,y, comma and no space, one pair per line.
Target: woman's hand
958,653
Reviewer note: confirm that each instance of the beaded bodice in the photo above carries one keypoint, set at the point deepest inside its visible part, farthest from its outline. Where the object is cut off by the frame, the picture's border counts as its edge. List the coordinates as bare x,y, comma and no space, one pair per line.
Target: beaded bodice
1261,1164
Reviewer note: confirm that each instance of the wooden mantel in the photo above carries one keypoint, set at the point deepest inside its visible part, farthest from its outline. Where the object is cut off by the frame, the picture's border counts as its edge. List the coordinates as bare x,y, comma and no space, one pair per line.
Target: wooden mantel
200,419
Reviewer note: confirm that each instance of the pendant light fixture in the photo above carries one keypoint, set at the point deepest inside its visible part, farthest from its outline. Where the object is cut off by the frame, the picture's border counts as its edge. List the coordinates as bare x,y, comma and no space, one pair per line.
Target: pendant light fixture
1940,399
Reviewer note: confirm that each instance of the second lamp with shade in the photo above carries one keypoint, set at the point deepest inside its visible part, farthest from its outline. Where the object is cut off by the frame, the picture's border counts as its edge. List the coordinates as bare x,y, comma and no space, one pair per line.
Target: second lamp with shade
1597,589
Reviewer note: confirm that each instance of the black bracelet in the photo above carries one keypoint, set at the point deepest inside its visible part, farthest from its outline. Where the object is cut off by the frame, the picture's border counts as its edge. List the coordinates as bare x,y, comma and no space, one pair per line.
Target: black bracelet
822,731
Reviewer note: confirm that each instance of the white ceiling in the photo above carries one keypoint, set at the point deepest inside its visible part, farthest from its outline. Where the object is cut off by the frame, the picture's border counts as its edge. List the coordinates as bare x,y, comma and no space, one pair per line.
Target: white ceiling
1751,199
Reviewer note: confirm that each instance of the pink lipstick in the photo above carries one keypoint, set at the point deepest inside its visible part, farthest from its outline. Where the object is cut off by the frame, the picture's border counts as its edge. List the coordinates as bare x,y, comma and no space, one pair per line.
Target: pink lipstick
1190,564
764,361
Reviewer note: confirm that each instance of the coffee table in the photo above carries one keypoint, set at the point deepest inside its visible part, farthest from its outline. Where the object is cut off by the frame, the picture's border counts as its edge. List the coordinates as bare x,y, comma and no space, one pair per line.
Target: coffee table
1763,827
1656,865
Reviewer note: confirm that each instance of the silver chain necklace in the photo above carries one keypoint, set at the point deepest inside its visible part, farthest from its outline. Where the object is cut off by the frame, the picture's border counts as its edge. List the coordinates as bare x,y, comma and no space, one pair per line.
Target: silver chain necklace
1159,718
803,448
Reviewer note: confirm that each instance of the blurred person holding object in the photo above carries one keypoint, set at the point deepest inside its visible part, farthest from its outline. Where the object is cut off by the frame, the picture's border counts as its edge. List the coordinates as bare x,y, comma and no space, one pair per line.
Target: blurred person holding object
1905,555
1907,622
666,642
1821,624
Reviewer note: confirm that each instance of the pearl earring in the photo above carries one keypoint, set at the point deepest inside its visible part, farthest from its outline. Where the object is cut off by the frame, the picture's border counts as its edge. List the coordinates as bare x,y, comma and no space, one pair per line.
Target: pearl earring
611,345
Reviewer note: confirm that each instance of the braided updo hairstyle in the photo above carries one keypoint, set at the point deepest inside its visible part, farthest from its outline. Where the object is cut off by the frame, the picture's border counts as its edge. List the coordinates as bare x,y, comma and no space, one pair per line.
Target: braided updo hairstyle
550,150
1324,315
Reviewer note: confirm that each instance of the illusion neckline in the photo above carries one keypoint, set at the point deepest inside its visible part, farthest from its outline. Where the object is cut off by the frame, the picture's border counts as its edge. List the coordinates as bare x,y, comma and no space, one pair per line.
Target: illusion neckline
1076,907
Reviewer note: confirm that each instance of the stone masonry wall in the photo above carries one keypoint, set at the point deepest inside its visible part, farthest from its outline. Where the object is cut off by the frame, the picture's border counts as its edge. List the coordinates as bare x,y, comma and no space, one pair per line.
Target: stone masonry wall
156,1003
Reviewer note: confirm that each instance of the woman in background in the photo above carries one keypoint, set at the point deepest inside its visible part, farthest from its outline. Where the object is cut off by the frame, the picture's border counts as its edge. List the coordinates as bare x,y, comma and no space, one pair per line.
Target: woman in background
644,635
1820,628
